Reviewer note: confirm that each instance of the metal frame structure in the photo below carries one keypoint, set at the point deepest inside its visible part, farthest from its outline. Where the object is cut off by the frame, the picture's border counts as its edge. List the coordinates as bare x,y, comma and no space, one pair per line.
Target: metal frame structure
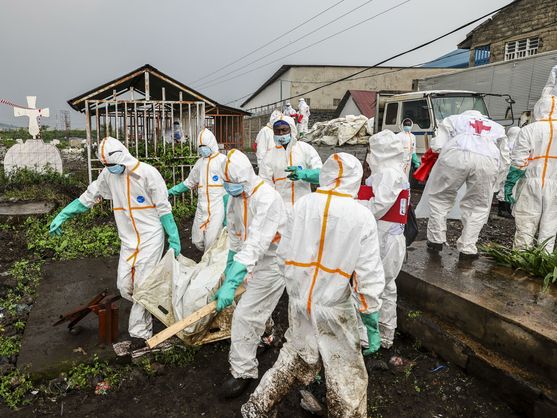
140,109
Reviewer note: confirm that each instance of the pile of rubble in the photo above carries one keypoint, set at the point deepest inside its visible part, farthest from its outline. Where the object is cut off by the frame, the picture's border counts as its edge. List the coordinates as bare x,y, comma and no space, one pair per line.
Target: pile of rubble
350,130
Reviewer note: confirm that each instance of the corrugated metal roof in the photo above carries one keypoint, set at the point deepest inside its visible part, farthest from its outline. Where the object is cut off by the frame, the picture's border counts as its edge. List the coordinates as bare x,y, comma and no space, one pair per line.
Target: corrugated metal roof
365,101
458,58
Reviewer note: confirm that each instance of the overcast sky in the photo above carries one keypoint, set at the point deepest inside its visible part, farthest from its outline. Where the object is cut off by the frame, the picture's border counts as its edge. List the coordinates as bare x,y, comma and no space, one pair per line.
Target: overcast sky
57,49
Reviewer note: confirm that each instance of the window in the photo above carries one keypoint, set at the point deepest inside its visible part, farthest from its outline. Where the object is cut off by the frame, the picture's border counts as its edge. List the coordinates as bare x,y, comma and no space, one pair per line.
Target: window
336,102
521,48
418,111
481,55
455,105
391,114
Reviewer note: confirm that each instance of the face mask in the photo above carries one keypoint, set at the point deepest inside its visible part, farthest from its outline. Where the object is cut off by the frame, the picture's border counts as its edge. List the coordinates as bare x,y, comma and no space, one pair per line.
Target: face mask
233,189
205,151
407,128
116,169
282,139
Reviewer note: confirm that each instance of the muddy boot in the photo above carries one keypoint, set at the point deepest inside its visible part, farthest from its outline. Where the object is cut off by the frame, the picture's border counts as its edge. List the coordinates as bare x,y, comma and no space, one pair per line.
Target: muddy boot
505,210
232,387
434,247
311,404
137,344
468,257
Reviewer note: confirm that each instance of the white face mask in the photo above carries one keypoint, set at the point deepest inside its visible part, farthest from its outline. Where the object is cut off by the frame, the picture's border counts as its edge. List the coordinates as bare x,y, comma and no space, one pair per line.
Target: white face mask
407,128
282,139
205,151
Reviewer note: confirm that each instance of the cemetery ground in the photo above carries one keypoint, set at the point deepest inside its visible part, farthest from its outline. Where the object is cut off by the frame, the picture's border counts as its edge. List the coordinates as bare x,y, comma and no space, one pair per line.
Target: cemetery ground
182,381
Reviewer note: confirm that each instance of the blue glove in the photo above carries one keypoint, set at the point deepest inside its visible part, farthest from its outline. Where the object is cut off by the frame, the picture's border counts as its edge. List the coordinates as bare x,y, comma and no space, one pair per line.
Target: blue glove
229,261
74,208
178,189
234,278
416,162
306,174
371,321
171,230
514,175
225,200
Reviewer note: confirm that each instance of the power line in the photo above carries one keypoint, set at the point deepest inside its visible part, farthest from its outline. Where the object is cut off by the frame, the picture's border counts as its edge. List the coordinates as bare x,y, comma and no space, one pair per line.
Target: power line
311,45
270,42
289,44
454,54
391,58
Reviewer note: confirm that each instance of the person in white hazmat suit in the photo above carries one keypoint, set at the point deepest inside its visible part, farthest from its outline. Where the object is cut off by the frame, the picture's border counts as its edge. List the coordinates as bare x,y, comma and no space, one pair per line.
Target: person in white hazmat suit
329,250
472,149
389,205
304,113
205,178
256,217
264,139
504,207
534,168
143,215
290,166
411,159
290,111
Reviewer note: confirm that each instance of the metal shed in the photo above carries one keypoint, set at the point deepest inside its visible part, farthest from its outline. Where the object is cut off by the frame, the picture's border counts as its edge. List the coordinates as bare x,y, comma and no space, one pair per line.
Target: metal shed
158,118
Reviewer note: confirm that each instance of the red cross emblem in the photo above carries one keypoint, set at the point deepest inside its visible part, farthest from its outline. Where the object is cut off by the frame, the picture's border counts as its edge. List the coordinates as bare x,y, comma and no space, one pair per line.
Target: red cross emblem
479,126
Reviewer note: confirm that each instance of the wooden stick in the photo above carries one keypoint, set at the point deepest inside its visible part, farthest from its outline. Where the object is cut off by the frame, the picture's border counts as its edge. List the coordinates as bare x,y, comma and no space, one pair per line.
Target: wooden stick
187,321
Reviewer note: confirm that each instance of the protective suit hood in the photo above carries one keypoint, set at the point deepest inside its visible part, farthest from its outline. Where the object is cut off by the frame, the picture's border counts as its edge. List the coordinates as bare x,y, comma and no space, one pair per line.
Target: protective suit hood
475,113
207,138
545,107
550,88
342,173
237,168
293,129
276,115
112,151
385,149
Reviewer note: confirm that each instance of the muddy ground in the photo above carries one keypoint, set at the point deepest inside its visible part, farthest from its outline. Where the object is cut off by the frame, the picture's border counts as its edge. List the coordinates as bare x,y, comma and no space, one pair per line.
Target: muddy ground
498,229
424,386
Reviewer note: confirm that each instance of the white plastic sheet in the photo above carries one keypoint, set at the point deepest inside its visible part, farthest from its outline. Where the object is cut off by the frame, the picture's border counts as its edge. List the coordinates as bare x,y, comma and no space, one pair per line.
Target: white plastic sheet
178,287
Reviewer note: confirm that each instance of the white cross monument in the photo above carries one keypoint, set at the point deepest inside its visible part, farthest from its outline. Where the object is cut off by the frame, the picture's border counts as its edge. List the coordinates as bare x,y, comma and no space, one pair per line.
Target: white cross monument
33,114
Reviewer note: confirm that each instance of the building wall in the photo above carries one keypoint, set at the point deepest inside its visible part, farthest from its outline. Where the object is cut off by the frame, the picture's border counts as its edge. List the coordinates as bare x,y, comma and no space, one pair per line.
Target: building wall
297,80
520,21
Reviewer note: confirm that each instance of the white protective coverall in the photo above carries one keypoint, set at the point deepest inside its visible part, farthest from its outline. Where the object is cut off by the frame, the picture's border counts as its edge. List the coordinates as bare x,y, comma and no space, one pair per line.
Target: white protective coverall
264,139
535,151
471,155
512,135
254,223
388,180
303,111
409,144
329,249
139,199
289,111
205,177
297,153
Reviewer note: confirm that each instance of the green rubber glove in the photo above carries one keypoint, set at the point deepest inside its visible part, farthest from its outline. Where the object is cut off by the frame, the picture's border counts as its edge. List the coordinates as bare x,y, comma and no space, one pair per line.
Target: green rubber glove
229,261
305,174
225,200
514,175
74,208
371,321
171,230
178,189
416,161
234,278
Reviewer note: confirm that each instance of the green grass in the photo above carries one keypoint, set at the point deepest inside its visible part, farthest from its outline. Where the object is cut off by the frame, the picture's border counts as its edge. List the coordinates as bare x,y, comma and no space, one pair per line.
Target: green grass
84,375
535,261
15,388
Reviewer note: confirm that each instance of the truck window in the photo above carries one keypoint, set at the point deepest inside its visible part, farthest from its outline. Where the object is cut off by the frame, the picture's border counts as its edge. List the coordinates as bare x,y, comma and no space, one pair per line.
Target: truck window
418,111
391,113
